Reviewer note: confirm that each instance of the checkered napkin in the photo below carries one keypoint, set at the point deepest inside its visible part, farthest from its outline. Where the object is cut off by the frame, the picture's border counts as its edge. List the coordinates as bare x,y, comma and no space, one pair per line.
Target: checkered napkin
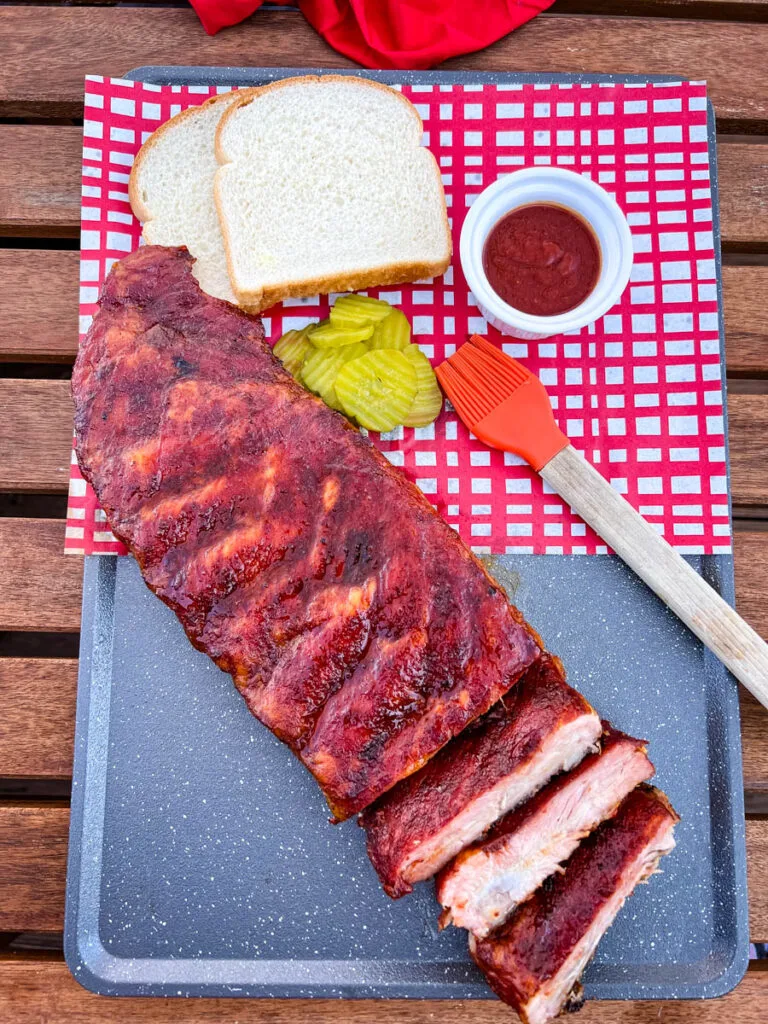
639,391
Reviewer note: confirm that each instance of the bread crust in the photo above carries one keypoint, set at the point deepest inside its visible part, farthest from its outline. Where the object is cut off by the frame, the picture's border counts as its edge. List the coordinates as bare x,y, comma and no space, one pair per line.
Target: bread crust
373,277
140,209
388,274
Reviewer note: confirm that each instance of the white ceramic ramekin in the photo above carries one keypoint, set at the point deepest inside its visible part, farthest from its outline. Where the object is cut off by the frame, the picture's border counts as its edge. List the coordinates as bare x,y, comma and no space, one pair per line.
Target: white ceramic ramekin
547,185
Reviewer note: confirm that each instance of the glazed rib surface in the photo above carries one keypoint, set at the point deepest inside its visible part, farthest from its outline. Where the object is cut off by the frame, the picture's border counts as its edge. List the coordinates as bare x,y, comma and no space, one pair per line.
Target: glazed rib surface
542,727
535,960
355,623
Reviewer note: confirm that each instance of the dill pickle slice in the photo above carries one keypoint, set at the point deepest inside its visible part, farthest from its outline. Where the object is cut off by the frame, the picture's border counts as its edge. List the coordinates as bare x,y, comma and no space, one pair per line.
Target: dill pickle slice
284,341
313,327
358,310
377,389
327,336
393,331
291,349
321,368
428,400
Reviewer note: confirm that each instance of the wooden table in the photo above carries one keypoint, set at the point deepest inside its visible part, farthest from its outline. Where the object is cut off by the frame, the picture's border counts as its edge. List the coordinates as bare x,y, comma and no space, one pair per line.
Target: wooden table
44,53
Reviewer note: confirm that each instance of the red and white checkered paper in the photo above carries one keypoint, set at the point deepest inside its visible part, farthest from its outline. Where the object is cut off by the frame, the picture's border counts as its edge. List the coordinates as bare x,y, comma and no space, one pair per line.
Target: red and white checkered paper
639,391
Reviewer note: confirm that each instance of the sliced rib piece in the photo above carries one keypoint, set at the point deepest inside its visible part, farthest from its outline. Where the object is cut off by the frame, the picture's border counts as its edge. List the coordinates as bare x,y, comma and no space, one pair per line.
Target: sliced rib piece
541,728
356,624
483,884
535,960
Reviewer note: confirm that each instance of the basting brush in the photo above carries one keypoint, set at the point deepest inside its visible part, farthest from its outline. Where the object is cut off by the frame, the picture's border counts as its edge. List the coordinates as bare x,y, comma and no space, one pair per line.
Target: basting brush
506,406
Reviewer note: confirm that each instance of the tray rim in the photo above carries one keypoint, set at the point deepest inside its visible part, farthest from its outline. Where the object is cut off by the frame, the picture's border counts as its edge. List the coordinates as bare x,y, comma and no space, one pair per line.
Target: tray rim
102,972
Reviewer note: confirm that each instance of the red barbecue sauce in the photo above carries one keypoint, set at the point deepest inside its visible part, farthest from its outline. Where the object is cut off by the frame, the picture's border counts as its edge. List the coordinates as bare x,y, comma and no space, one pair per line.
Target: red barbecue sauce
542,259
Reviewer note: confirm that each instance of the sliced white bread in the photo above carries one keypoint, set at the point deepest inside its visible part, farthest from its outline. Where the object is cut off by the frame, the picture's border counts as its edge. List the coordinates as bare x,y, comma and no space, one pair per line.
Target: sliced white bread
171,190
324,186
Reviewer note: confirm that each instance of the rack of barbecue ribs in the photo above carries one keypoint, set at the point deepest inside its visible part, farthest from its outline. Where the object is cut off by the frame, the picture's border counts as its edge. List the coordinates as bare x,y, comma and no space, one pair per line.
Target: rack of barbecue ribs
542,728
355,623
534,960
362,632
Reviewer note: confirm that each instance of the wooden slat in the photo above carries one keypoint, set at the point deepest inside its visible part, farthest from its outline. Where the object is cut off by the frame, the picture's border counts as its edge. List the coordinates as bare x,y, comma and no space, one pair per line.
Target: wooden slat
33,854
40,589
748,429
739,10
757,875
36,736
35,435
25,335
754,730
40,586
42,71
44,992
40,181
746,319
31,278
751,567
33,847
37,724
732,10
743,180
744,10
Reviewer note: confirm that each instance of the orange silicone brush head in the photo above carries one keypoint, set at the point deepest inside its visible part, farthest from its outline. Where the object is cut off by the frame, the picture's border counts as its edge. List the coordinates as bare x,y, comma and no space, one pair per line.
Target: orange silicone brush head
501,402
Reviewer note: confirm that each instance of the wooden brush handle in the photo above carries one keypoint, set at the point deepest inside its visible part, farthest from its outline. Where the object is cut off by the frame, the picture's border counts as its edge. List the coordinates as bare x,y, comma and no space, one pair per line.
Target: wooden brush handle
666,572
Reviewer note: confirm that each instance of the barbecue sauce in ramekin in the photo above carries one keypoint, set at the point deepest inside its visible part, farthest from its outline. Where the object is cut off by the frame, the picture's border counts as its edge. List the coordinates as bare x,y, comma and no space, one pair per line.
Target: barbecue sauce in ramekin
542,259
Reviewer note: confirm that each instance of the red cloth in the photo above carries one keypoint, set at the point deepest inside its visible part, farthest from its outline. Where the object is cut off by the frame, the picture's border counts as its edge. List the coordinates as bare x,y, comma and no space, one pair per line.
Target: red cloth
393,33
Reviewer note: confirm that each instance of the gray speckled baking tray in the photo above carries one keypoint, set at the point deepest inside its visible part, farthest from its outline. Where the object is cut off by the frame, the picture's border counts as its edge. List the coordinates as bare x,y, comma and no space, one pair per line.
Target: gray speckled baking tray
200,862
